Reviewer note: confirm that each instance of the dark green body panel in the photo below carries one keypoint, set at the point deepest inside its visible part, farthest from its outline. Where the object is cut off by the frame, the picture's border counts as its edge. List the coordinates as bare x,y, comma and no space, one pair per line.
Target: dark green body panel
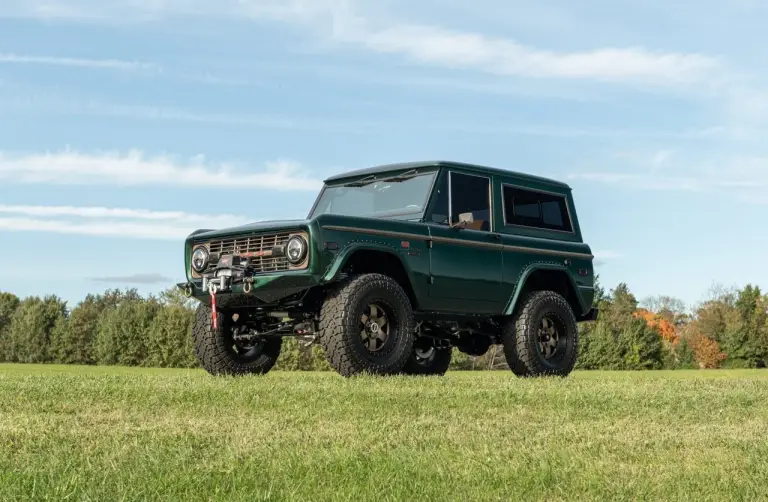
450,270
466,266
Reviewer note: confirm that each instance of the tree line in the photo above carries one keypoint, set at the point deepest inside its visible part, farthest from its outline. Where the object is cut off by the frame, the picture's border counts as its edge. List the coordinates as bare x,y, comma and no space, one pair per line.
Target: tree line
121,327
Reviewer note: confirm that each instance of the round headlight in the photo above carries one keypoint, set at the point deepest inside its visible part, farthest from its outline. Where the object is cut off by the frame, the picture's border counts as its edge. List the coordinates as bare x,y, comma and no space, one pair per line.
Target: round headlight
296,250
199,259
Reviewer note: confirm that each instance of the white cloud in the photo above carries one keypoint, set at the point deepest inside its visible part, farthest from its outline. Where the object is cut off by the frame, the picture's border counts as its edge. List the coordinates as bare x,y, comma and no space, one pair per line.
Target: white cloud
136,230
92,212
347,22
744,178
135,169
505,56
646,181
111,222
64,105
112,64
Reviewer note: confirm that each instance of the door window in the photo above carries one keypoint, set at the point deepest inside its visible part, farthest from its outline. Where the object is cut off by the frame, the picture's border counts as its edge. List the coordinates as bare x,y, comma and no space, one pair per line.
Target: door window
471,194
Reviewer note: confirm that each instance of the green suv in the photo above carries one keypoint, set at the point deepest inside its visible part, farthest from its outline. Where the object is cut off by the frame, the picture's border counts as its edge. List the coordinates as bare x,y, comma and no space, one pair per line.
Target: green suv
395,266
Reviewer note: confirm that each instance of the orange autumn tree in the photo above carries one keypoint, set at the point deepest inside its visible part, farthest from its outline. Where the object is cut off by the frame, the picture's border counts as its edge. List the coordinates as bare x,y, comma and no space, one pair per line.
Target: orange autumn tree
706,351
665,328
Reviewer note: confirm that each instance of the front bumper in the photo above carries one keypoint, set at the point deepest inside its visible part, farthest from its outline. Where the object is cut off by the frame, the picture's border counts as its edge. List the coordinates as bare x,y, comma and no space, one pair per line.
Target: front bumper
589,316
230,286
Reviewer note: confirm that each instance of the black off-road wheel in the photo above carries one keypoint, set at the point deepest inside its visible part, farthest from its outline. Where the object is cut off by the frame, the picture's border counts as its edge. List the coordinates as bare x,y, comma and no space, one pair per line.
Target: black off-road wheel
542,338
366,326
428,361
221,354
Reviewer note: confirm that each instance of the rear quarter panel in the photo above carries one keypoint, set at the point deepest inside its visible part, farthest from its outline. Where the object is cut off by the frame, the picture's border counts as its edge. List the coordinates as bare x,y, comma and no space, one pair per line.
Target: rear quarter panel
529,249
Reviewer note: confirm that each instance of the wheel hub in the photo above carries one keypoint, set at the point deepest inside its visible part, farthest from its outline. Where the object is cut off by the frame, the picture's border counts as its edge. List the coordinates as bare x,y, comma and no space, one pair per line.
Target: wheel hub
424,354
549,336
375,325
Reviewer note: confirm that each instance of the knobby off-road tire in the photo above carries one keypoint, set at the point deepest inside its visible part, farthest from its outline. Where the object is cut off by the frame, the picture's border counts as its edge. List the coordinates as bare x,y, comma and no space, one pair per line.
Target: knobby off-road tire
214,348
351,345
436,363
528,337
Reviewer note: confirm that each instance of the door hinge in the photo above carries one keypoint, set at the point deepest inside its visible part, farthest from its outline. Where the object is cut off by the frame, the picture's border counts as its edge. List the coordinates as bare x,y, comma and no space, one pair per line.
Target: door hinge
431,280
429,243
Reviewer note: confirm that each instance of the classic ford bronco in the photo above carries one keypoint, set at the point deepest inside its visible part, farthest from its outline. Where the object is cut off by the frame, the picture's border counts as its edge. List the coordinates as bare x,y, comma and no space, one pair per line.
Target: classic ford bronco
394,267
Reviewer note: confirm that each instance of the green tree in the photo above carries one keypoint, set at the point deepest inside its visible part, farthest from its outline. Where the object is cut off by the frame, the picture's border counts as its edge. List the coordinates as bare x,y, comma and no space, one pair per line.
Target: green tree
73,342
684,355
640,347
32,326
123,333
174,296
461,361
599,349
599,292
170,343
290,356
8,305
296,356
621,305
745,339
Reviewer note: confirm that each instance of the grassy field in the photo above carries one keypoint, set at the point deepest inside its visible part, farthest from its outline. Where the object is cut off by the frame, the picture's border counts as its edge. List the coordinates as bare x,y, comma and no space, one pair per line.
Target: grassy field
74,433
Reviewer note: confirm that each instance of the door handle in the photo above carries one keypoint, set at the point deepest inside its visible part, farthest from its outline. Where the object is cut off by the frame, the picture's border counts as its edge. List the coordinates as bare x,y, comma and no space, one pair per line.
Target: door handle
496,237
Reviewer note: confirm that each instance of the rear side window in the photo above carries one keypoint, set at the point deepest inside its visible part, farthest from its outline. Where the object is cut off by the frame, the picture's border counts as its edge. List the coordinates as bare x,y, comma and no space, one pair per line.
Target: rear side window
529,208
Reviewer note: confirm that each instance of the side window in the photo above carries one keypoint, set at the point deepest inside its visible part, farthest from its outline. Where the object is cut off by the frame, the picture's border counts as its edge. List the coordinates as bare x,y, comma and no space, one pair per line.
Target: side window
525,207
552,214
471,194
535,209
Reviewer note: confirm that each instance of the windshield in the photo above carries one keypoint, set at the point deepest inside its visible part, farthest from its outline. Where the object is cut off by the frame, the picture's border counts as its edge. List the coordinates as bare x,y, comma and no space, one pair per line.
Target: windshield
395,196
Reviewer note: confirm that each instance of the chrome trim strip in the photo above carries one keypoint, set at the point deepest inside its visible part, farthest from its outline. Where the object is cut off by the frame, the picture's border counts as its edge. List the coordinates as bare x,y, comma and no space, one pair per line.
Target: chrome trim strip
371,231
523,249
450,201
461,242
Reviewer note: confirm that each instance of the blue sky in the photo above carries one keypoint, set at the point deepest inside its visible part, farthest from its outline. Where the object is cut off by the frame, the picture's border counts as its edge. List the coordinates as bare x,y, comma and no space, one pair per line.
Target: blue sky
126,124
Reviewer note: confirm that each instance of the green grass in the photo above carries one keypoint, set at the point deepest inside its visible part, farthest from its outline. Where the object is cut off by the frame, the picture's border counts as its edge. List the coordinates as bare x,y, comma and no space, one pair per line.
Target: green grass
126,434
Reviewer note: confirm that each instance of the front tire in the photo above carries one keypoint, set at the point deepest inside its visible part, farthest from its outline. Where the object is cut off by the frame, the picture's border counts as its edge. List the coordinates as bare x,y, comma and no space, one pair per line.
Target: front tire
367,326
220,354
542,338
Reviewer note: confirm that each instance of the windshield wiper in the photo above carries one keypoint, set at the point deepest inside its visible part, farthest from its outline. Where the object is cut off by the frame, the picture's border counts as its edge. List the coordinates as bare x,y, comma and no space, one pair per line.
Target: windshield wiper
405,176
372,178
362,182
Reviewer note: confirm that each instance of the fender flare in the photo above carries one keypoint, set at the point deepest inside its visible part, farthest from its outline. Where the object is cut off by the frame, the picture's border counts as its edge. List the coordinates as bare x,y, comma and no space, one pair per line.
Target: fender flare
530,269
347,251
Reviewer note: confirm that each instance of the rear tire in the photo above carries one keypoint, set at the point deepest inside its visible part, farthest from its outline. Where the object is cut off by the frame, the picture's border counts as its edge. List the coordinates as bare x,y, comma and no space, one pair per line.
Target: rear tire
220,354
542,338
367,326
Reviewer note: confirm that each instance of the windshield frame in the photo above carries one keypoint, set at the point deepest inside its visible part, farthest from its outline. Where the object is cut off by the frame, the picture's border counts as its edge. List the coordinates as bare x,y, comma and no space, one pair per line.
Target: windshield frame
383,176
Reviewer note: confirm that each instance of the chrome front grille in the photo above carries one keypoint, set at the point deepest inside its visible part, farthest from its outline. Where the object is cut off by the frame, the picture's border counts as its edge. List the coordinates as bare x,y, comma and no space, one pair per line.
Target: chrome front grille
257,248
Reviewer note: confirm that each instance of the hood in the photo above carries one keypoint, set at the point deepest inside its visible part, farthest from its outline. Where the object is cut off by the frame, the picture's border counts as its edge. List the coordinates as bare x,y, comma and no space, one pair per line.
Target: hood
259,226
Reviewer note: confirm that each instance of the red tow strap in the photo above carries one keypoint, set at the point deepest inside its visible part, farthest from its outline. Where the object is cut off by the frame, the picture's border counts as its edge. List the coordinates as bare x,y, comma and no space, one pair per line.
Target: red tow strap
214,317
